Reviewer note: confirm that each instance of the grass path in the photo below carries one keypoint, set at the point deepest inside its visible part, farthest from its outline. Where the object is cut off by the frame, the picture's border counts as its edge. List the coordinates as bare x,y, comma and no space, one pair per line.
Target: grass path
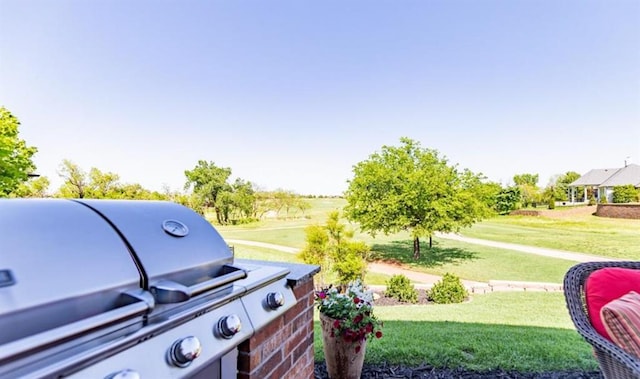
553,253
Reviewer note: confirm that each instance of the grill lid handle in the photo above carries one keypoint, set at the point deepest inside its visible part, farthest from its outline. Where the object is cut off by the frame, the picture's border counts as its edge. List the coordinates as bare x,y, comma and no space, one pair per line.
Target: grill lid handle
139,303
168,291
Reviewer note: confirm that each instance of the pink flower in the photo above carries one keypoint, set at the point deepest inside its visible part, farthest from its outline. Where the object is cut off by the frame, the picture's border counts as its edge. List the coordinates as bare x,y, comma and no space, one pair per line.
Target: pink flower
356,300
322,295
357,349
357,319
336,324
378,334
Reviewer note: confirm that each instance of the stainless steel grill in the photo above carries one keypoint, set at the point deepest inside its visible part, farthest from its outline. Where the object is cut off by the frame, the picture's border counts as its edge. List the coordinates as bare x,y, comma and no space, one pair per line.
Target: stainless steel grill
125,289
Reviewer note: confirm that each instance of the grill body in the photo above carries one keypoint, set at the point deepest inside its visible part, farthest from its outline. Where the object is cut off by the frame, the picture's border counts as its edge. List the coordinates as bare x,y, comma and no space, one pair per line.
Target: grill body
114,288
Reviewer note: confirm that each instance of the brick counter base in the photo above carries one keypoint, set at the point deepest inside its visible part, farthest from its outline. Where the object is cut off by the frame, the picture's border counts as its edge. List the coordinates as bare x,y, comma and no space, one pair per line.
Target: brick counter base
284,348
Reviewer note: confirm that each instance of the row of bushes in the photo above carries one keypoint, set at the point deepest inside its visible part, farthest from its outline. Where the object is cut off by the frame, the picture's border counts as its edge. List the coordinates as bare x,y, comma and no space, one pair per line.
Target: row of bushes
446,291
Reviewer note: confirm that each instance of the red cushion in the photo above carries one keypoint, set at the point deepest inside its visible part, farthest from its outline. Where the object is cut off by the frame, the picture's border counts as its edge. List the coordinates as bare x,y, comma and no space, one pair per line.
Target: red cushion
605,285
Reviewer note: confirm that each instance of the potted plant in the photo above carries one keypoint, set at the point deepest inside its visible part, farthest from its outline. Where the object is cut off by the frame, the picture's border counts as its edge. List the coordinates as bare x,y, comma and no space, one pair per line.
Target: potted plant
347,321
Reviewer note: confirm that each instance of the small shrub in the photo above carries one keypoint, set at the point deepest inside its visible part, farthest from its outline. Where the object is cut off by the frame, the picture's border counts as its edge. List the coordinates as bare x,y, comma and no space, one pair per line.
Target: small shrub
592,200
348,261
448,290
400,287
552,203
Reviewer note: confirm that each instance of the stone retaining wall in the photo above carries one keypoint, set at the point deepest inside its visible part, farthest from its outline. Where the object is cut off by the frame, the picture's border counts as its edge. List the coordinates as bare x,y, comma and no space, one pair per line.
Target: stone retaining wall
630,210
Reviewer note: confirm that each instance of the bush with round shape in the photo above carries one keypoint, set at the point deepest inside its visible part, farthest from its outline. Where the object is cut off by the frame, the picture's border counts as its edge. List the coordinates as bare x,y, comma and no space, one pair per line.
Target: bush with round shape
400,287
448,290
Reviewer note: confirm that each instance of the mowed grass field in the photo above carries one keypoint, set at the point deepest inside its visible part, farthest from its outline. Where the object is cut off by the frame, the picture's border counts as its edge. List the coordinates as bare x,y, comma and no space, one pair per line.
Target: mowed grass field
469,261
523,331
583,232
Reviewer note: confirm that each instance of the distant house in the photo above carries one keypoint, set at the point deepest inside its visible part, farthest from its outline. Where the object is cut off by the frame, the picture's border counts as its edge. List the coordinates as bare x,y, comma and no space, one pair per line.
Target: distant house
602,181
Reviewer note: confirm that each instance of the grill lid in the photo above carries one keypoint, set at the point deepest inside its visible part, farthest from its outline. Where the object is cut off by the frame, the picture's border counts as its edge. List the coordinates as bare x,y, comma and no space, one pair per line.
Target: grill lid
61,264
171,242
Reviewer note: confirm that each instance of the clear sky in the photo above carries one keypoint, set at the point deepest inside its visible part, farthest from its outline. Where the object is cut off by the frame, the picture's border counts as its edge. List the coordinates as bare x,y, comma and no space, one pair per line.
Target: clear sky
292,94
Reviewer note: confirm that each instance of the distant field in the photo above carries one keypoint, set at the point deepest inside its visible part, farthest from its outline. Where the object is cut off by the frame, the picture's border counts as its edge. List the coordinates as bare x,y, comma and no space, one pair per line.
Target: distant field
580,232
585,233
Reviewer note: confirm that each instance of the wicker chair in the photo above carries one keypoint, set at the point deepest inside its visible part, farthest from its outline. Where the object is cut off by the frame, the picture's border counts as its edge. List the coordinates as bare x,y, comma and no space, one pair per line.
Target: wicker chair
614,362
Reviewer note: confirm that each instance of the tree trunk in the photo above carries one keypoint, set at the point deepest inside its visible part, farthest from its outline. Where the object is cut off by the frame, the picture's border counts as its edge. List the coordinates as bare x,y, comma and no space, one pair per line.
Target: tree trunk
416,248
430,242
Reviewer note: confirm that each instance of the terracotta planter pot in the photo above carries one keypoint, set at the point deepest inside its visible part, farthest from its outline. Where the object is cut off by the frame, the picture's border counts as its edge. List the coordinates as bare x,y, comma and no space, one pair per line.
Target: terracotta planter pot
342,360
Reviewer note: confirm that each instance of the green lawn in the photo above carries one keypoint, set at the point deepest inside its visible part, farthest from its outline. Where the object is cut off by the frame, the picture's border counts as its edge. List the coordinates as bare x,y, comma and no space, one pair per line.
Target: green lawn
527,332
523,331
616,238
468,261
474,262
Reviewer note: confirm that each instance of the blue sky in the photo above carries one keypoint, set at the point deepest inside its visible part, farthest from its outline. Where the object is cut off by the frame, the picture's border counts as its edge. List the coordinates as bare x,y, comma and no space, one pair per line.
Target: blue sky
292,94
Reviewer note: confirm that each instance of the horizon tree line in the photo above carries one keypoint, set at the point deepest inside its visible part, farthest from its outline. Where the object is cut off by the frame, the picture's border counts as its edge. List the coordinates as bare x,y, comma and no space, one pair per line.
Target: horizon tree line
419,177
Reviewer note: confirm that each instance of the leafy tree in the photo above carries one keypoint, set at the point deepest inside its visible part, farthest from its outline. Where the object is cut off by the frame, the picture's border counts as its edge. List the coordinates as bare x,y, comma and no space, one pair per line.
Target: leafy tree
522,179
302,205
103,185
558,187
191,200
100,185
488,193
75,180
36,187
15,155
208,182
243,199
625,194
136,191
562,186
508,199
263,204
236,202
414,189
528,184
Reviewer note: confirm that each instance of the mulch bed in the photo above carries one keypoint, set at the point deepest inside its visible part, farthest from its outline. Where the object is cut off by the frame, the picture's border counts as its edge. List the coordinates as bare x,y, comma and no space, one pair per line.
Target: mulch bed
381,300
427,372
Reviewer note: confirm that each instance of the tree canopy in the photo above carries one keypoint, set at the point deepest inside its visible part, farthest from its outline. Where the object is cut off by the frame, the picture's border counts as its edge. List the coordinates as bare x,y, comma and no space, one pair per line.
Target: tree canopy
414,189
15,155
529,191
99,185
36,187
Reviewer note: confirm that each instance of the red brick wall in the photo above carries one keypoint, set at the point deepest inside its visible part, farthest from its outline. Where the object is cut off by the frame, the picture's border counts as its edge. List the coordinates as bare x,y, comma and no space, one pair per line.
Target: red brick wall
619,210
284,348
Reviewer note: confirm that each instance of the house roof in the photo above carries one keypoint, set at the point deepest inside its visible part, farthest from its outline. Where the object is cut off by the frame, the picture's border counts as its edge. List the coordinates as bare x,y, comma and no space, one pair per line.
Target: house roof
609,177
594,177
624,176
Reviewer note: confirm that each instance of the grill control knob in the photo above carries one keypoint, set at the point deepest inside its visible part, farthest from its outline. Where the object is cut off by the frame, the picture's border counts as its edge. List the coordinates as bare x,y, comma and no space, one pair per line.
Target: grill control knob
184,351
124,374
275,300
228,326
